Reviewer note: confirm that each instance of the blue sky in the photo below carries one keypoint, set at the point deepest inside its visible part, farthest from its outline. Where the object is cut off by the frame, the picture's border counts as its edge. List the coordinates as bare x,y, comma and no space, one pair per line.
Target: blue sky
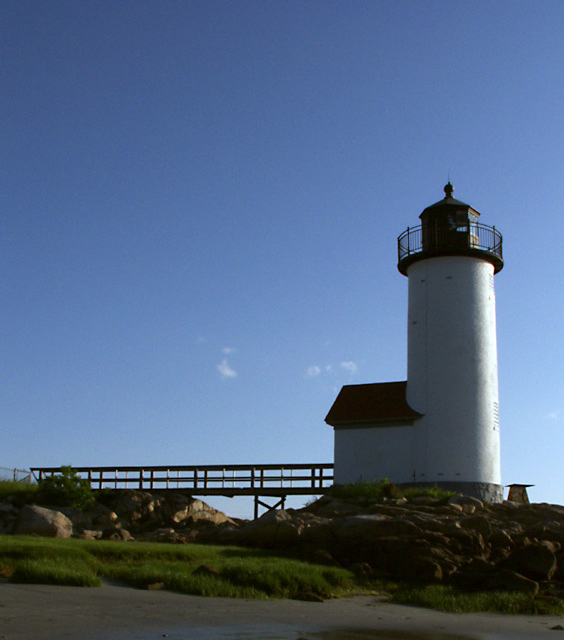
200,209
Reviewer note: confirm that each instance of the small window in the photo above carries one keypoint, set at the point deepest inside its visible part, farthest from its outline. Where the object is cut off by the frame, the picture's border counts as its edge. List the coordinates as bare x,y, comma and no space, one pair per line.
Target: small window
462,221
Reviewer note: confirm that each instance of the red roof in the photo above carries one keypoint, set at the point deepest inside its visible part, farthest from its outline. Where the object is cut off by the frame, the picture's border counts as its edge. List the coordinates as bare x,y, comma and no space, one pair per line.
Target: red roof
377,402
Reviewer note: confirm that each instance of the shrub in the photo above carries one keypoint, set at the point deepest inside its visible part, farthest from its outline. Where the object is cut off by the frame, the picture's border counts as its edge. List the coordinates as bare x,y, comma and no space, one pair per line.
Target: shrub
66,489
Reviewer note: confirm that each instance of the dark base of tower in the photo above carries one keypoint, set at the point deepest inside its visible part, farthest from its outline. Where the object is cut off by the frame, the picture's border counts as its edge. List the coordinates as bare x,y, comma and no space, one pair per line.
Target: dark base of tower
485,491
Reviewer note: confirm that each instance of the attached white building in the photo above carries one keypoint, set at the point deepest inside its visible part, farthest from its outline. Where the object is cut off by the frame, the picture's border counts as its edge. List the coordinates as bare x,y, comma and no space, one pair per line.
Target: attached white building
441,426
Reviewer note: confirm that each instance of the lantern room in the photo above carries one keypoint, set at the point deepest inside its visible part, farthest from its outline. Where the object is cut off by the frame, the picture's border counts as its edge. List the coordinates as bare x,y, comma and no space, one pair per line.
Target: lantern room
448,228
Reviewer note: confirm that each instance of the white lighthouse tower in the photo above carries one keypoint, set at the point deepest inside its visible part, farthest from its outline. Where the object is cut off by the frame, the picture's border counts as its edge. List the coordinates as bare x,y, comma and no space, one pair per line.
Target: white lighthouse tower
441,427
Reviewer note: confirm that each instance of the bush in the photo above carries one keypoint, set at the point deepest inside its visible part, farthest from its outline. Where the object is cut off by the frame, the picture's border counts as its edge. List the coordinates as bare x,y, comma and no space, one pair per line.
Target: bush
66,489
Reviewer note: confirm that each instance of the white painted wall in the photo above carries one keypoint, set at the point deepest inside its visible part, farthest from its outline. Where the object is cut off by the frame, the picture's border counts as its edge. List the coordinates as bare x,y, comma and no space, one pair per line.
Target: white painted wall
369,454
452,369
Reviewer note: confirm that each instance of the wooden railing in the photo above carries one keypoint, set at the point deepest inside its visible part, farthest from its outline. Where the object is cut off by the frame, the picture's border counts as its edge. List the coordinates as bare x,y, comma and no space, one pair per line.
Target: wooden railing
224,480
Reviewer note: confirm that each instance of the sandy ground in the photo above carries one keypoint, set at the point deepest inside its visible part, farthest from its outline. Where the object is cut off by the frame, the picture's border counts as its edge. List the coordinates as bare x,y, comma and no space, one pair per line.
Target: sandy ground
37,612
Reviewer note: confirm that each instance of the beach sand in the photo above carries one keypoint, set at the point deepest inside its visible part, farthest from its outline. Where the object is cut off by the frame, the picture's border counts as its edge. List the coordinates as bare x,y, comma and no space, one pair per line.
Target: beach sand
41,612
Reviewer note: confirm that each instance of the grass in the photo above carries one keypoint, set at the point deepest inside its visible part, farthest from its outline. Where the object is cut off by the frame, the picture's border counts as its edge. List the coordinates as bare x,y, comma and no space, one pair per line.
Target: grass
385,489
22,492
236,572
445,598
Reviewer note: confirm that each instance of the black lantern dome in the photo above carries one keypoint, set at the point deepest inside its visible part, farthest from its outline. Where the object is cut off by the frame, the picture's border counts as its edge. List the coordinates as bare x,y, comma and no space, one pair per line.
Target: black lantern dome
449,228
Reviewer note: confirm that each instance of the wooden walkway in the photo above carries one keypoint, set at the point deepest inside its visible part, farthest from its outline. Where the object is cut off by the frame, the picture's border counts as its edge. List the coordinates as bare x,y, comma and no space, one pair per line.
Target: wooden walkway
258,480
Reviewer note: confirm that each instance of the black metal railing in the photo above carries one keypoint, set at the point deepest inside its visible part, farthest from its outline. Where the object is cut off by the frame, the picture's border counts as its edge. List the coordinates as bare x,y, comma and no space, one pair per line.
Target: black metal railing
419,241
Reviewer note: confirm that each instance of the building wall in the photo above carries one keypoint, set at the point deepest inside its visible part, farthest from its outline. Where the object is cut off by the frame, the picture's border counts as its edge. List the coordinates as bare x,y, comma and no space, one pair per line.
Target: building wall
452,369
371,453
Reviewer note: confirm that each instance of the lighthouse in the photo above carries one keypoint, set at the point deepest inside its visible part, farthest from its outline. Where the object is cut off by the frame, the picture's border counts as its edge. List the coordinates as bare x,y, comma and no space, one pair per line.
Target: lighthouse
440,426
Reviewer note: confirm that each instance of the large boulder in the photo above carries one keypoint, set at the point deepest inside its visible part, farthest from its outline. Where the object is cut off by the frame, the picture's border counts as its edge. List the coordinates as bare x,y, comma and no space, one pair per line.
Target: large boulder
467,503
103,517
39,521
138,508
534,561
186,510
275,529
506,580
365,529
80,519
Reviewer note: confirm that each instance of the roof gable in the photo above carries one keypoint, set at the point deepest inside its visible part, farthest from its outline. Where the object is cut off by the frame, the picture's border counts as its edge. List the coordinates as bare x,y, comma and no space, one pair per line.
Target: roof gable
376,402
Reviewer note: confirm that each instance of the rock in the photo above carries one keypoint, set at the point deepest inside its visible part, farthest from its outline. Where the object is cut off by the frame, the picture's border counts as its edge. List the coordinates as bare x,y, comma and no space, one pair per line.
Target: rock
80,520
322,556
141,511
275,529
307,596
89,534
472,575
34,520
335,508
427,501
480,524
555,547
138,507
502,539
466,501
449,509
163,535
117,535
8,515
366,529
194,510
361,569
535,561
506,580
103,517
205,570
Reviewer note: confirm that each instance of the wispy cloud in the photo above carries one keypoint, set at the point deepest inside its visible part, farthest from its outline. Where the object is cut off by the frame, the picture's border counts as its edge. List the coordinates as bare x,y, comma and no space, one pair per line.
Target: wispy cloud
225,370
228,350
313,371
552,415
350,367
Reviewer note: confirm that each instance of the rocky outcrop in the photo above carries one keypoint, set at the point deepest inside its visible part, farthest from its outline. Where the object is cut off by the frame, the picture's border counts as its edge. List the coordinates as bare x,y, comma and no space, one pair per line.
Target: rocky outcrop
464,542
125,516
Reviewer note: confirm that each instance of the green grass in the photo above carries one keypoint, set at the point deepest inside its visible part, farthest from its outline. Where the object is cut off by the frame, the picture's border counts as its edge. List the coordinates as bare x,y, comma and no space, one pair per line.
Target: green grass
21,491
385,489
241,573
445,598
